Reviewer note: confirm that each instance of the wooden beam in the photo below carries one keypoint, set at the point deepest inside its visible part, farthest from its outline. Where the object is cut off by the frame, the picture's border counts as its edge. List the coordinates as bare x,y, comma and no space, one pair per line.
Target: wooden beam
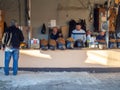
71,8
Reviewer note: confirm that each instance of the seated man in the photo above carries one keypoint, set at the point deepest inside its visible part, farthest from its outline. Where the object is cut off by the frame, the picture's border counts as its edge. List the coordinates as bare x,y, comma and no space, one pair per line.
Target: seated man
53,37
101,40
79,36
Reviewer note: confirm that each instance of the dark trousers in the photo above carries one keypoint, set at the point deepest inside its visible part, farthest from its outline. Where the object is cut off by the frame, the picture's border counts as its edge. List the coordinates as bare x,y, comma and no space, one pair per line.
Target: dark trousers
79,44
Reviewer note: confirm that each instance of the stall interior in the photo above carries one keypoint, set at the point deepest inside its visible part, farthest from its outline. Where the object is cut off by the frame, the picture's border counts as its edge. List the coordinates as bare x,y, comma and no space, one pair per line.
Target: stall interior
76,34
100,25
94,38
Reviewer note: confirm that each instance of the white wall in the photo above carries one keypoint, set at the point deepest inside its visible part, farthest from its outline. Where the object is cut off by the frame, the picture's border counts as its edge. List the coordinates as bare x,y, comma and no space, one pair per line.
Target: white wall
42,12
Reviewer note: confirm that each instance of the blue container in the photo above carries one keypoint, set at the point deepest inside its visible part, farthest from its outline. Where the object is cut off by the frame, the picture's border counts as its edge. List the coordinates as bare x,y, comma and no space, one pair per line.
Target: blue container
118,44
70,45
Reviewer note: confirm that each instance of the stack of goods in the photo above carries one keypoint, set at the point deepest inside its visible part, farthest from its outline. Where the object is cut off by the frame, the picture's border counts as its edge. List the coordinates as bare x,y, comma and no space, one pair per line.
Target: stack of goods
61,43
52,42
70,39
70,43
61,40
44,44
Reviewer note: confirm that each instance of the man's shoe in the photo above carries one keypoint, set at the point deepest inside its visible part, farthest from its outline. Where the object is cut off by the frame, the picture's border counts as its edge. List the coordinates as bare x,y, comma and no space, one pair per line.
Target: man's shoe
14,74
6,74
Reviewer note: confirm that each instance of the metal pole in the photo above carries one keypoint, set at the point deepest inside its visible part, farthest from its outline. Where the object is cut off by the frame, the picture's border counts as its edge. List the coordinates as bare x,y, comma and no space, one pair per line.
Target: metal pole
107,32
29,23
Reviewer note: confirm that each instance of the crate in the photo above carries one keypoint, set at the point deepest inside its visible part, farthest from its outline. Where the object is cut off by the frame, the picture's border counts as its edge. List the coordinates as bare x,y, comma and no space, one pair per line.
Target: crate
35,43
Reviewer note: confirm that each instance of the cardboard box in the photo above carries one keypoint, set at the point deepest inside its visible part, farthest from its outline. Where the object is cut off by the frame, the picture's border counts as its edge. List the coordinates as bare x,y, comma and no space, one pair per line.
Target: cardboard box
35,43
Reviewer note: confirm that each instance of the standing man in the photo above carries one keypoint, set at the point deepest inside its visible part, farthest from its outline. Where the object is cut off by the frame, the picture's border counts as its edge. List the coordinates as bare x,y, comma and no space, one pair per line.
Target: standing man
79,36
11,42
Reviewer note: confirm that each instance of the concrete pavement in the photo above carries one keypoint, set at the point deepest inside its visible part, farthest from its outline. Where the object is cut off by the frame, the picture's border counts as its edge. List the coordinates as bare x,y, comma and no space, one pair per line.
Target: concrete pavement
64,80
60,81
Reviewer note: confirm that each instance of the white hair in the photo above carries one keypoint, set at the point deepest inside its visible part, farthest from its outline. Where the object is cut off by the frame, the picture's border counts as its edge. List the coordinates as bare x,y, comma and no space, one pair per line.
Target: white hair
13,22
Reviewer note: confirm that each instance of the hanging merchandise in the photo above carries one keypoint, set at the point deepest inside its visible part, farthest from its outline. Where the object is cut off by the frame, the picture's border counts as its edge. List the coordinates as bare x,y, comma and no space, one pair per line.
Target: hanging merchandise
118,24
43,30
96,19
118,28
83,23
104,25
72,24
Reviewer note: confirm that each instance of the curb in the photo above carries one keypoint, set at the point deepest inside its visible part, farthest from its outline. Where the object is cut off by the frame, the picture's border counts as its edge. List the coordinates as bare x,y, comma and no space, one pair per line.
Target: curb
91,70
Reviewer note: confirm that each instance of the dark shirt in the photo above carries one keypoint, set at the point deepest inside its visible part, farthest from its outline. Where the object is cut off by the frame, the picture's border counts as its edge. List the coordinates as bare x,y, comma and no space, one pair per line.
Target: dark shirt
100,37
54,37
17,36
